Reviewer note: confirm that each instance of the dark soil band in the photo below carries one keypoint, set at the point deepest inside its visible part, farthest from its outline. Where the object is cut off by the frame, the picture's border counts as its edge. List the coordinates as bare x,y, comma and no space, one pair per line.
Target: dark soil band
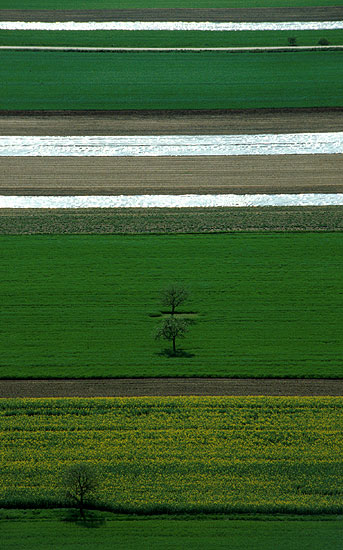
325,13
122,387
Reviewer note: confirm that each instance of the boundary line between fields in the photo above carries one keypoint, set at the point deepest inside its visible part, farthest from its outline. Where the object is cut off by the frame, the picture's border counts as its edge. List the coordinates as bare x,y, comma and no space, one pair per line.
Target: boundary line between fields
173,387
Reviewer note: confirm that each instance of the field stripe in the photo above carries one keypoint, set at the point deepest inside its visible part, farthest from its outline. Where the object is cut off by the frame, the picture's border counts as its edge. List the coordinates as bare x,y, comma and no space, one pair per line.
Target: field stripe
173,145
140,387
315,13
171,201
182,49
170,26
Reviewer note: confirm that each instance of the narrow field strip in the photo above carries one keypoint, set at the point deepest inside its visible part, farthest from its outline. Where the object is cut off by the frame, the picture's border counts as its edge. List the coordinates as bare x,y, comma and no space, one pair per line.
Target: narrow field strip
238,175
182,49
172,122
148,387
170,201
140,221
170,26
327,10
173,145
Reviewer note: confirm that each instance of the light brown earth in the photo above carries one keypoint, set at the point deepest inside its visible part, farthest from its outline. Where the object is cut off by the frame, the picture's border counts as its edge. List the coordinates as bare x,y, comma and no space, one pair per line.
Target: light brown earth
128,123
325,13
131,387
171,175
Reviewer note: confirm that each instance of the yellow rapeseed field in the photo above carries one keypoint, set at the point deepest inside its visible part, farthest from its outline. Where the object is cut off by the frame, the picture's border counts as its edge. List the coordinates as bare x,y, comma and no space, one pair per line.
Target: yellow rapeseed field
178,453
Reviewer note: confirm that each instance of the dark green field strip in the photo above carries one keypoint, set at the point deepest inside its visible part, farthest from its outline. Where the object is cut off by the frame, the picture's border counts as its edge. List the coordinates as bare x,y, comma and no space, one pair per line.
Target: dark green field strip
157,4
170,220
206,80
77,306
42,529
167,39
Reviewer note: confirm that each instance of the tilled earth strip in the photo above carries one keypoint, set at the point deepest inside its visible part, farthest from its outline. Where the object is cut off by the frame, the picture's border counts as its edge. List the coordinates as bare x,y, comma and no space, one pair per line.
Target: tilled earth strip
248,174
85,123
325,13
169,387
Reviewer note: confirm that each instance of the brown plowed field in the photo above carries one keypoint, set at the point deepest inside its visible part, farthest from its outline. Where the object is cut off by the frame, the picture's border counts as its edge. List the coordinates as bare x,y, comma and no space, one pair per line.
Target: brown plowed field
169,386
250,14
264,121
171,175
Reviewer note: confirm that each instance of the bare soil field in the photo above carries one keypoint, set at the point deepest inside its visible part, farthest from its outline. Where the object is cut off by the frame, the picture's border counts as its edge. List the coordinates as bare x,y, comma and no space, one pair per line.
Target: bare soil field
328,13
264,121
136,387
169,220
171,175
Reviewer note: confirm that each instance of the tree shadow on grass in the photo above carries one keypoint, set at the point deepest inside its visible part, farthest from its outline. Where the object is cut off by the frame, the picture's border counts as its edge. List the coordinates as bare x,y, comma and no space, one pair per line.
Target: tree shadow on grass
91,519
180,353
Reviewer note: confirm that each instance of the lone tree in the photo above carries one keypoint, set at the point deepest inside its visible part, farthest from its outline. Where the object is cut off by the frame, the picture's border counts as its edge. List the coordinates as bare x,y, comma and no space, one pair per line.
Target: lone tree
174,296
172,328
80,481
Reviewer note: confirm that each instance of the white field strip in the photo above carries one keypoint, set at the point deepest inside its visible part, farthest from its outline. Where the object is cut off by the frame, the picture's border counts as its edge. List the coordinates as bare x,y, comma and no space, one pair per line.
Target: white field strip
170,201
173,145
209,49
170,26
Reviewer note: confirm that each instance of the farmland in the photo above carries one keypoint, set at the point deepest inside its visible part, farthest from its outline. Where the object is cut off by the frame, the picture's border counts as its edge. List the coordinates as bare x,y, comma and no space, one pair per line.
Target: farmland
156,4
210,80
187,454
170,220
167,39
88,306
39,529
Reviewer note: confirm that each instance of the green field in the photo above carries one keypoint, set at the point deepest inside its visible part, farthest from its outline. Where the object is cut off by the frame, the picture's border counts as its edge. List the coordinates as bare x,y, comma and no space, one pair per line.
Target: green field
169,39
171,220
206,80
140,4
123,533
88,306
177,454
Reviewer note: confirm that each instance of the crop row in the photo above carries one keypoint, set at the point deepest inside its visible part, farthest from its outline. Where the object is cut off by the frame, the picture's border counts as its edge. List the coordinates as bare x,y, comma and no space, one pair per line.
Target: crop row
178,454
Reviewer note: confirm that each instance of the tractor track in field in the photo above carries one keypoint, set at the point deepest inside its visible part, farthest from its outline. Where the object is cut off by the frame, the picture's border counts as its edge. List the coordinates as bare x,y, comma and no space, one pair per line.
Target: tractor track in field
140,387
324,13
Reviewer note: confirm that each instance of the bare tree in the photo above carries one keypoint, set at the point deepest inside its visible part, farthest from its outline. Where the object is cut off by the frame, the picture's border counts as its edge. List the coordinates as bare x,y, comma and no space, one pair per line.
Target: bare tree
172,328
174,296
80,481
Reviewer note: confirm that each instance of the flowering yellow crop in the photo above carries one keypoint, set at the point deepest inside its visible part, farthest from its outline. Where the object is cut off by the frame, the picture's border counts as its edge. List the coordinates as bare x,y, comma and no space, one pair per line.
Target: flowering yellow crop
179,453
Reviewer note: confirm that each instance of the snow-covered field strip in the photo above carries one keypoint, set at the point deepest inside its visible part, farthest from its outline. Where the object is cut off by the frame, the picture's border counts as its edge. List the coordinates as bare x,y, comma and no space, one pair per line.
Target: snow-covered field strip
171,201
173,145
170,26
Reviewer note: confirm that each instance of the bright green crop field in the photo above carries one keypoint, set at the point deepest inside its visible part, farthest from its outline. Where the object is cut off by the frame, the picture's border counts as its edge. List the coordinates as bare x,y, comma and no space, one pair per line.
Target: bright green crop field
163,39
177,80
140,4
123,533
88,305
177,454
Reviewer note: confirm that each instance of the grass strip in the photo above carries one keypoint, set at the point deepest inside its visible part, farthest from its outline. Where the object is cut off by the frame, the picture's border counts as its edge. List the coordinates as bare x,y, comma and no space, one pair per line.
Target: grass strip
168,39
176,80
89,305
170,533
178,454
170,220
